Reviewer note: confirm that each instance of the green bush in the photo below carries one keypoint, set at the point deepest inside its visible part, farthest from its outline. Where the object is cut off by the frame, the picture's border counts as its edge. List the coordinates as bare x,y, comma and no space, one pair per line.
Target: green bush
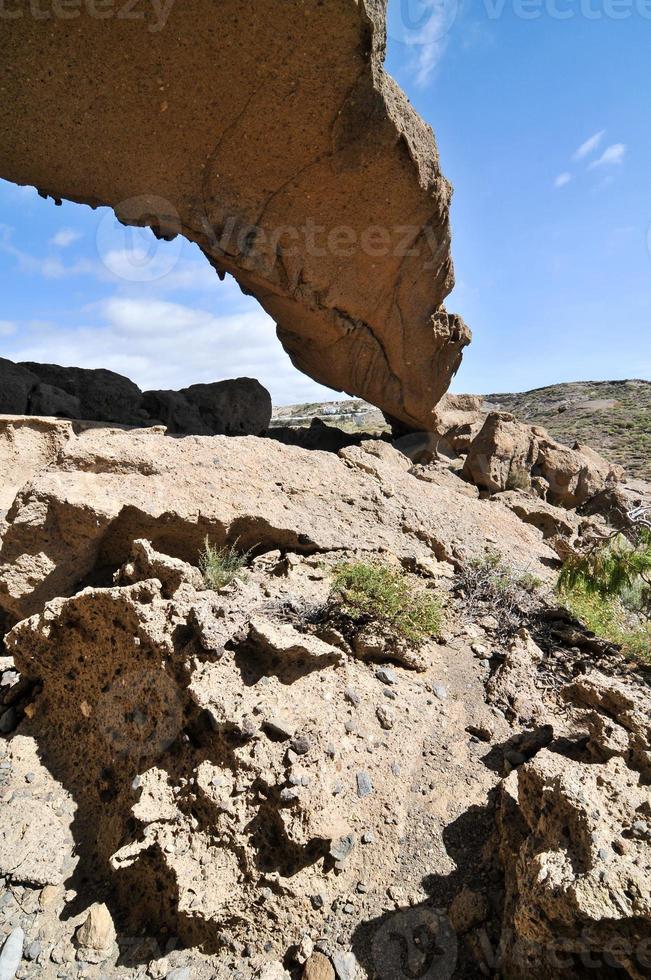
379,594
609,589
220,566
609,619
518,479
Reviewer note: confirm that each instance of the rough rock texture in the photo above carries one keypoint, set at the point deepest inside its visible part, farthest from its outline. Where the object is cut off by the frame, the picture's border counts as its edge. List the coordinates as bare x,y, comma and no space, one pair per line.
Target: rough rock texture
270,135
245,784
15,388
79,516
27,445
225,408
507,454
575,838
237,407
100,395
232,787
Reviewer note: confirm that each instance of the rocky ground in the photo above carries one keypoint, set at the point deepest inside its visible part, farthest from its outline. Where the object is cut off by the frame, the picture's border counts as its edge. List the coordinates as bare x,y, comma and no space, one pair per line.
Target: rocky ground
614,417
236,783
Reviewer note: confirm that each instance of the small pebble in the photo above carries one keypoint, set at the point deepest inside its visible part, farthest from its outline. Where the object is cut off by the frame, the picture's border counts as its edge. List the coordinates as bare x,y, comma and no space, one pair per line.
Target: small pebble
353,697
386,675
364,784
301,745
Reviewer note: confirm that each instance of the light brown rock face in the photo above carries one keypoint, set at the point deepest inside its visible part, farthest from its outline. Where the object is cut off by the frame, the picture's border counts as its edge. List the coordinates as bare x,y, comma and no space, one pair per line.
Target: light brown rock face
269,134
108,487
573,822
510,455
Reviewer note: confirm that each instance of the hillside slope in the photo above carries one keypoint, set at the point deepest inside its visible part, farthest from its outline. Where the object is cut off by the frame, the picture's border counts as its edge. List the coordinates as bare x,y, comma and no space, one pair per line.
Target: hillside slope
614,417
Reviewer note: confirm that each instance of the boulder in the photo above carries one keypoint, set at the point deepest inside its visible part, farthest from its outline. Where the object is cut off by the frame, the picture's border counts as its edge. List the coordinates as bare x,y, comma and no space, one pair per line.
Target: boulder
502,455
103,396
298,166
459,418
50,401
238,407
16,386
510,455
174,411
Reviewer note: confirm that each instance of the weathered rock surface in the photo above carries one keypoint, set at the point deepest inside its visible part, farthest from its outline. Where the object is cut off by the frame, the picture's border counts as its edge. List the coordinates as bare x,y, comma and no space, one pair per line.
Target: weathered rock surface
297,165
107,488
507,455
219,789
280,793
100,395
226,408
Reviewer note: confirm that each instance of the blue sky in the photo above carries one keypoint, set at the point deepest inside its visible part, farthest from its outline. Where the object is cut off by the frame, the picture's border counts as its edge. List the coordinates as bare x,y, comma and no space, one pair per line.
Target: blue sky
540,109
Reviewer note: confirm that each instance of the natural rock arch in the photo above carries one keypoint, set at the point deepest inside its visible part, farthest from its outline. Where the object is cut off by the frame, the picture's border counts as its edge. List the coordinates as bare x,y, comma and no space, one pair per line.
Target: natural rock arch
269,134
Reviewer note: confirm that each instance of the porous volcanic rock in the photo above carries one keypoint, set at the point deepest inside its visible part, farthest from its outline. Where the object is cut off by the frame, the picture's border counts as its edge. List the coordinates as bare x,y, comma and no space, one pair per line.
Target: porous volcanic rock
271,136
507,455
101,395
107,488
236,407
226,408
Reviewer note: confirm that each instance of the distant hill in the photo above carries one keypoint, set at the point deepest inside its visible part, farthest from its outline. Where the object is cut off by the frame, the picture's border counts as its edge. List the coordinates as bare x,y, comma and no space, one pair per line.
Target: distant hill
614,417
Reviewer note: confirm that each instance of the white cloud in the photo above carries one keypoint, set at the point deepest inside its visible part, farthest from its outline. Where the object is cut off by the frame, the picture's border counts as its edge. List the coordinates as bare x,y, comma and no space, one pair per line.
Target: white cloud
426,32
563,179
612,156
428,59
65,237
168,345
589,146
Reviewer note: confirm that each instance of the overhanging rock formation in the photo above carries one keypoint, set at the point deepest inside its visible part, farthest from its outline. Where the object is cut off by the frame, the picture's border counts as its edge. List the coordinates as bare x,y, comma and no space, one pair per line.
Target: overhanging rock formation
269,134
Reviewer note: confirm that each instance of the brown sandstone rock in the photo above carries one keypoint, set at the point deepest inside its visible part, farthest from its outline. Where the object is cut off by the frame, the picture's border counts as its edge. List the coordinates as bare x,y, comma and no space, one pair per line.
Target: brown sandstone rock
296,164
509,455
318,967
108,488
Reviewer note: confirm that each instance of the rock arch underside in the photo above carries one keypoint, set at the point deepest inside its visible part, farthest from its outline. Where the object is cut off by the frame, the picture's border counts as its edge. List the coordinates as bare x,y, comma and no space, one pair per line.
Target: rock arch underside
269,134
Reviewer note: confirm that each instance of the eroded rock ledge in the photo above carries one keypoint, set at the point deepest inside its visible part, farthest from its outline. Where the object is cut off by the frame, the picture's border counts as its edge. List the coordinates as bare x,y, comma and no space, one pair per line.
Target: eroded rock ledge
270,135
236,778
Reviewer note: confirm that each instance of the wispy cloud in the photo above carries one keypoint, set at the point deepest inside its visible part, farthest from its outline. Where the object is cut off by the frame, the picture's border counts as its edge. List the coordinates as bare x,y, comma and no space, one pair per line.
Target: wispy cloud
161,344
426,33
563,179
613,156
589,146
8,328
65,238
428,60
